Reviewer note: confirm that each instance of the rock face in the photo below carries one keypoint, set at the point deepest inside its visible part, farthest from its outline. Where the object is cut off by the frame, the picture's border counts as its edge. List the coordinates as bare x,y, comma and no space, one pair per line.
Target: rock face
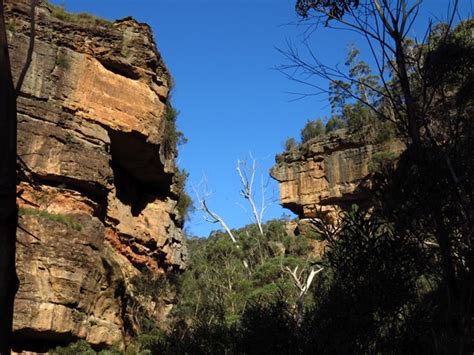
326,174
98,205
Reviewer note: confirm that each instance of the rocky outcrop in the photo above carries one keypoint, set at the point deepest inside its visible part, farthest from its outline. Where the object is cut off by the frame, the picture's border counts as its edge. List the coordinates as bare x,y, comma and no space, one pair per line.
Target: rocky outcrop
97,199
327,173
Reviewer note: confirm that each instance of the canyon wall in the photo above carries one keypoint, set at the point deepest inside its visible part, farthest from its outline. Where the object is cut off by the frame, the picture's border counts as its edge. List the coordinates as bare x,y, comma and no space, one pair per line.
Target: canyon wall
98,203
327,174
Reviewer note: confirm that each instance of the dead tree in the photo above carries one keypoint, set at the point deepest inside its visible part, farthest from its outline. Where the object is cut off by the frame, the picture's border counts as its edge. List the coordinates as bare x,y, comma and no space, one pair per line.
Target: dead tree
302,281
212,217
247,179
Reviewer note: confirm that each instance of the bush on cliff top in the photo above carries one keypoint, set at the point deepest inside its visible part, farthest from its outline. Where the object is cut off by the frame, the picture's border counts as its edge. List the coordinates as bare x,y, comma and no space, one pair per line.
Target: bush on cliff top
312,129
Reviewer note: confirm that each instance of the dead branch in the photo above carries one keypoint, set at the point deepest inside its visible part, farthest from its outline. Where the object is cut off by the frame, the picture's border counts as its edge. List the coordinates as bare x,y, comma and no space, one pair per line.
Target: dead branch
247,178
212,217
299,281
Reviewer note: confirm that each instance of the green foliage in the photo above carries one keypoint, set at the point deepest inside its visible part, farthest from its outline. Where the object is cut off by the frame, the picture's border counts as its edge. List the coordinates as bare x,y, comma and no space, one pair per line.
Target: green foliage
68,221
81,347
357,115
385,132
311,130
374,286
172,137
339,93
291,144
185,203
364,124
62,61
334,123
154,286
380,161
149,288
82,18
153,342
217,287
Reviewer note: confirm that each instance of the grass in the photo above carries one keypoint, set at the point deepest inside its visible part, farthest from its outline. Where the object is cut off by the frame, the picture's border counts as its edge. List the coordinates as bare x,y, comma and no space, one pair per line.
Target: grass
81,18
62,61
66,220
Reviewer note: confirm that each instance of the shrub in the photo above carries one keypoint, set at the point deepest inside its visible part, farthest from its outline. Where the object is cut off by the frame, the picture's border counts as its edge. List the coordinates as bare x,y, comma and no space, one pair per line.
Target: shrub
311,130
291,144
385,132
154,286
334,123
80,347
173,137
66,220
185,203
62,61
268,329
357,117
381,160
149,288
153,342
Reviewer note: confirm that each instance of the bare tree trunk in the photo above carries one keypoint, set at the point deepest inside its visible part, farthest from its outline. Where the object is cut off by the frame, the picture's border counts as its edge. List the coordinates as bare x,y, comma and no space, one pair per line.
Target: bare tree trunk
303,285
412,116
8,207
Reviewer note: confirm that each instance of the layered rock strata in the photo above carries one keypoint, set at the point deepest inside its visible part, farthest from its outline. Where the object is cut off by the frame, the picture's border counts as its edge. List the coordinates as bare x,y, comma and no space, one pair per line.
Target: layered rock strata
327,174
98,205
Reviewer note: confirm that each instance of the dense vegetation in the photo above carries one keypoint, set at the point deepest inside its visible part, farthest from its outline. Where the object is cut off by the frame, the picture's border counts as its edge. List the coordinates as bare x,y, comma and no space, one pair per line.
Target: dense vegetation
218,290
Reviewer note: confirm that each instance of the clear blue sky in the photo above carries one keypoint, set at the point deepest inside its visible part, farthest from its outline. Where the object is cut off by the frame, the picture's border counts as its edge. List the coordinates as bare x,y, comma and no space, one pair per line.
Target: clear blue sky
232,101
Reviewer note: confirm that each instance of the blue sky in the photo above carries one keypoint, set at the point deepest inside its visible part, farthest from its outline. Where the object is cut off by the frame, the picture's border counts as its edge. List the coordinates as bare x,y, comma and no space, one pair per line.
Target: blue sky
231,100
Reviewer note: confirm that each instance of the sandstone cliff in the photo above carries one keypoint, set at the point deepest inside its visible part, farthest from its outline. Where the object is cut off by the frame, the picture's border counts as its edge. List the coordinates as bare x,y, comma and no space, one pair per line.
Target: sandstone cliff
98,205
327,173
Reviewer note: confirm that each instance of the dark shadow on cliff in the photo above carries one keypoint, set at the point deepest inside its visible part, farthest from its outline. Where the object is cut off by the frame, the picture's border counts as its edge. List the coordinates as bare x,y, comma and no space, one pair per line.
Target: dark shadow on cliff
139,173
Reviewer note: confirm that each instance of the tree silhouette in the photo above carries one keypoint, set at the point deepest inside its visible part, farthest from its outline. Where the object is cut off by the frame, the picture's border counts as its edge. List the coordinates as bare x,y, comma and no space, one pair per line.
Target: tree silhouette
8,166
